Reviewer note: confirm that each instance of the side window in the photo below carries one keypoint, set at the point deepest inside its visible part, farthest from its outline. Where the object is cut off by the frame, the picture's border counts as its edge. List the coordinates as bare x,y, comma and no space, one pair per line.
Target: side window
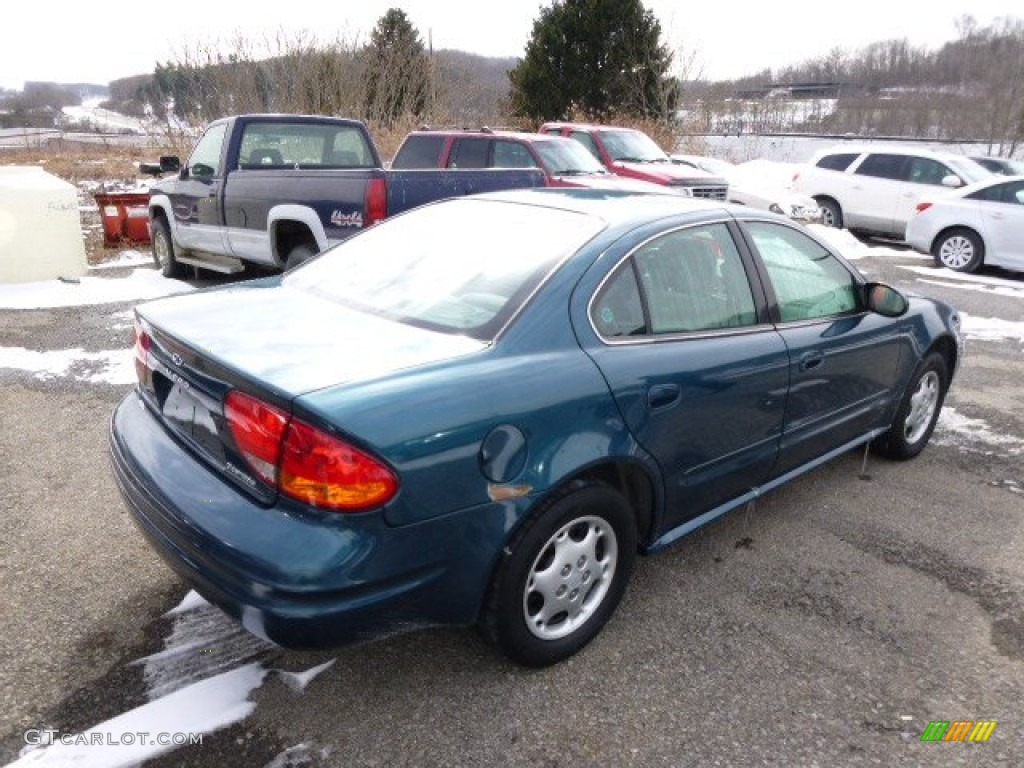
809,281
205,159
694,280
882,166
924,170
617,310
469,153
511,154
587,141
1001,193
419,152
838,162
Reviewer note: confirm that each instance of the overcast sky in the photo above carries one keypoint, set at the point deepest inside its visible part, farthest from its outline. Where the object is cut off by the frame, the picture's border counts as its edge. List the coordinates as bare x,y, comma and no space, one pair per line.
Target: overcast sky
79,41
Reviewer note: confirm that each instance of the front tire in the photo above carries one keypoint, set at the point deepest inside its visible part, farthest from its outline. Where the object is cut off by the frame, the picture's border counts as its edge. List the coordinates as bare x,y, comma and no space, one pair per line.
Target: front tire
918,412
831,213
959,249
562,576
163,249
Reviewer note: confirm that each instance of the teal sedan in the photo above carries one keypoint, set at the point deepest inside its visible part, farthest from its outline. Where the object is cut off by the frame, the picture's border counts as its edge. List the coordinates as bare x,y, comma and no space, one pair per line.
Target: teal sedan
481,411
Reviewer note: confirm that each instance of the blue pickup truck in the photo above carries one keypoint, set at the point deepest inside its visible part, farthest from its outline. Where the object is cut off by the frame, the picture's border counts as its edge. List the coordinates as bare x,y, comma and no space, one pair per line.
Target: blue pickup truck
274,190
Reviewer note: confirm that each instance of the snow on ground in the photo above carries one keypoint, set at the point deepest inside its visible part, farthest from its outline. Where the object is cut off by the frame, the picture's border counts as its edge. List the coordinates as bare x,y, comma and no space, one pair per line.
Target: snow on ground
849,247
949,278
201,682
46,294
992,328
126,258
113,366
974,435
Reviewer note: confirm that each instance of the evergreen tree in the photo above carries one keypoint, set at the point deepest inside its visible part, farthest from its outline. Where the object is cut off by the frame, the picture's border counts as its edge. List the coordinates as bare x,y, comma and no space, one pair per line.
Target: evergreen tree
397,69
596,57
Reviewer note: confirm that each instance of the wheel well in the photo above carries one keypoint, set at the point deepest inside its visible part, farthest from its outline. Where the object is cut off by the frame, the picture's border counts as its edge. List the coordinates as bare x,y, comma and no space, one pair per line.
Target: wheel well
632,482
289,234
955,228
946,347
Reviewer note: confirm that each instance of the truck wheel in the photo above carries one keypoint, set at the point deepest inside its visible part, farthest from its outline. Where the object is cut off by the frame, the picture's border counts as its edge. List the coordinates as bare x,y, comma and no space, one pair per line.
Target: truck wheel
298,255
561,576
163,249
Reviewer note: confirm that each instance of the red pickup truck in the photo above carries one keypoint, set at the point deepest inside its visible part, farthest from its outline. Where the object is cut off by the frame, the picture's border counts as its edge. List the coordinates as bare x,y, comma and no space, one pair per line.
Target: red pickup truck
633,154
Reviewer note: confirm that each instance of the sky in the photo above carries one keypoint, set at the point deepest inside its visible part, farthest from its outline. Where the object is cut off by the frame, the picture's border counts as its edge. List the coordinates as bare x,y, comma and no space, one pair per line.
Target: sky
76,41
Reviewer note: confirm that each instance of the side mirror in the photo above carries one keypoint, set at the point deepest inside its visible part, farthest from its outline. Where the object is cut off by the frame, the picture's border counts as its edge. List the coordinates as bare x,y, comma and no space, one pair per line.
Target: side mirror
885,300
952,180
170,163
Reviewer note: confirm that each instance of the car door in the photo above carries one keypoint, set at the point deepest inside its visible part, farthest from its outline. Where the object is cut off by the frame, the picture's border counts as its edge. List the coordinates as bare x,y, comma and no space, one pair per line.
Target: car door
195,199
844,360
696,369
874,186
922,180
1002,214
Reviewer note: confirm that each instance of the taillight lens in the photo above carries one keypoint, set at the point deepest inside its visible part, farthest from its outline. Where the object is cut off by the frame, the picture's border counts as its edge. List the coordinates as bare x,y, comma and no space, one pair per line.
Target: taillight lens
304,462
258,429
143,343
326,472
376,201
922,207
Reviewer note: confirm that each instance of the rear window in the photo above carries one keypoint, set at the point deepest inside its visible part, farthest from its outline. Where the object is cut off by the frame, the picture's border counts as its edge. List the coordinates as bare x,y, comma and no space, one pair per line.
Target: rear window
839,162
462,266
419,152
304,145
469,153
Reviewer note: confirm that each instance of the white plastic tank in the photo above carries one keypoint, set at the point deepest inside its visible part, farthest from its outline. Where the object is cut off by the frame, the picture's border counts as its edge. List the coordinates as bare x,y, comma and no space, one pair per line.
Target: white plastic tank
40,226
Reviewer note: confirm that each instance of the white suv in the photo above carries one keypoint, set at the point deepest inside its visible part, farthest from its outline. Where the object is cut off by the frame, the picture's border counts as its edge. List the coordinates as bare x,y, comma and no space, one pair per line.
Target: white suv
876,189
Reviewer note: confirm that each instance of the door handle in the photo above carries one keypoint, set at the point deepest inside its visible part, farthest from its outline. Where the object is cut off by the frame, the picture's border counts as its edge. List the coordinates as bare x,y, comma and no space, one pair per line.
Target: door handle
663,395
811,360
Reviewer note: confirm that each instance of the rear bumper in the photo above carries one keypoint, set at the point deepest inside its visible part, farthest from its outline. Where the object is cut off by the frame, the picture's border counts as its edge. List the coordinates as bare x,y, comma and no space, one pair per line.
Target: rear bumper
298,578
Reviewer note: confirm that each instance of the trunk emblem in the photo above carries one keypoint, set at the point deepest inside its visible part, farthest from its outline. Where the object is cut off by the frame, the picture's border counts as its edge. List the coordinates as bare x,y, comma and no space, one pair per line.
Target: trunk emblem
177,359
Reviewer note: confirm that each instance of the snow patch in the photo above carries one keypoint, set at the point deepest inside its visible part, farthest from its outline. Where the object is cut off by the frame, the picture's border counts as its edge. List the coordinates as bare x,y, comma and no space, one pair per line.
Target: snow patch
190,602
202,707
955,429
126,258
966,281
298,681
47,294
114,366
848,246
991,328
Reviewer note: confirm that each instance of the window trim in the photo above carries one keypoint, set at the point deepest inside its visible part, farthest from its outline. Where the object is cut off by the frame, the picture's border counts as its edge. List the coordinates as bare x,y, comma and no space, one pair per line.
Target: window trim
751,271
772,299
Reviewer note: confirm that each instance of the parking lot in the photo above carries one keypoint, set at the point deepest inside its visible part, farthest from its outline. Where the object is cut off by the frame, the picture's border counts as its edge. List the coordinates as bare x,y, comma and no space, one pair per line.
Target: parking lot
827,625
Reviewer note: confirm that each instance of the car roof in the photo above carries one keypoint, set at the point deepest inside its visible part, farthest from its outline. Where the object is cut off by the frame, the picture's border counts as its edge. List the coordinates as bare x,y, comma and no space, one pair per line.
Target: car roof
614,206
490,133
882,148
588,126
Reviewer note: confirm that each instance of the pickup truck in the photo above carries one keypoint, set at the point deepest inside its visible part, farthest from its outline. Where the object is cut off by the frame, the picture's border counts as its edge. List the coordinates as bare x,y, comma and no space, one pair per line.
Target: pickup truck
563,162
274,190
635,155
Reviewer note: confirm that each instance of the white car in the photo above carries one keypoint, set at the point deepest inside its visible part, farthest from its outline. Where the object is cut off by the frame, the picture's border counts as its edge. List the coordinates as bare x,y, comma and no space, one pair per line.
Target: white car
875,188
751,186
979,224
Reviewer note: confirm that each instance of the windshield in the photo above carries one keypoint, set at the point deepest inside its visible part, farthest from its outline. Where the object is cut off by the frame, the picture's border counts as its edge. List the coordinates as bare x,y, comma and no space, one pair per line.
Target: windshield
967,169
632,147
462,266
567,157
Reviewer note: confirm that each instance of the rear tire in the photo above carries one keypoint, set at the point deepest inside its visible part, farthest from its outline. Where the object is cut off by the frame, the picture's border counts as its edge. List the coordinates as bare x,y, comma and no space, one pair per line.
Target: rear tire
562,576
298,255
163,249
959,249
918,412
831,213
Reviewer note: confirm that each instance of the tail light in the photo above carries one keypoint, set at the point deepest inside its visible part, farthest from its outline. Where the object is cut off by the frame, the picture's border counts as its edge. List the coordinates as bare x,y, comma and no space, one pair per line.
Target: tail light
303,462
376,202
922,207
143,342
